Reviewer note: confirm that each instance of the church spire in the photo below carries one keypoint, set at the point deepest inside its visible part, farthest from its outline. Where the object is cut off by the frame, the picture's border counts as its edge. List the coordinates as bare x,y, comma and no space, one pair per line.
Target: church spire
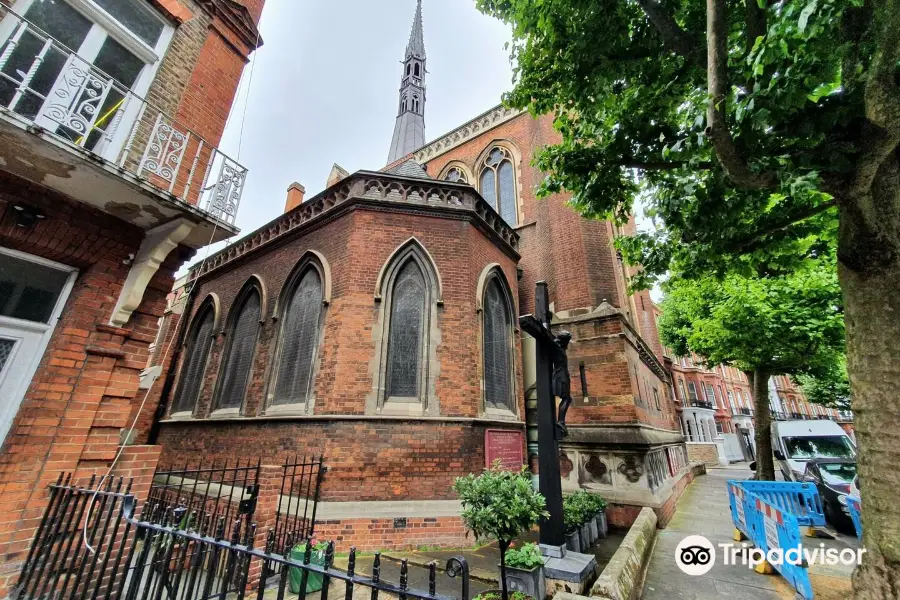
409,130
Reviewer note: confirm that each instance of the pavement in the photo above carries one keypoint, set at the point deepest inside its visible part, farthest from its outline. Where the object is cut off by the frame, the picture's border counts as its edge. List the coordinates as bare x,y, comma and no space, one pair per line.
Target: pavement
703,510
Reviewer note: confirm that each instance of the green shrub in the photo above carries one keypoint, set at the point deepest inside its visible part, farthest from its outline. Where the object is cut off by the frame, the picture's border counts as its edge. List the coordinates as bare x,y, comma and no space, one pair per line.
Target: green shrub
527,557
500,505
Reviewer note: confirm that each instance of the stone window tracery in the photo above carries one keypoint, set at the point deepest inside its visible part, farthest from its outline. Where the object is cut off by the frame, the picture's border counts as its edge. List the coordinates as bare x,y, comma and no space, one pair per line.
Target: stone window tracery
497,347
456,175
497,183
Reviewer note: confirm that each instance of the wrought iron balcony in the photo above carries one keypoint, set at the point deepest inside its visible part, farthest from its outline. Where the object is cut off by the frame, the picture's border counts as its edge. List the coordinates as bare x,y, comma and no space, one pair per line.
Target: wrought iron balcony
701,404
745,411
49,89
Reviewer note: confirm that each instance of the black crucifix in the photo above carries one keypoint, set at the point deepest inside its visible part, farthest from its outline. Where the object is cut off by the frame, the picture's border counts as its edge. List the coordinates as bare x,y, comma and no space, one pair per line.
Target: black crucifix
552,380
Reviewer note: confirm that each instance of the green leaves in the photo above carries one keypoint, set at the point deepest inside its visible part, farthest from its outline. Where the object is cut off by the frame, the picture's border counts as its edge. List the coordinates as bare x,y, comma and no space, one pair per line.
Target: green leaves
580,507
527,557
499,504
790,323
625,102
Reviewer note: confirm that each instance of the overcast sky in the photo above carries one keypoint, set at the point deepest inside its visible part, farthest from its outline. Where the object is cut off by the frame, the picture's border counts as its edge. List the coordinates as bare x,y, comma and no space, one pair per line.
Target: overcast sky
324,87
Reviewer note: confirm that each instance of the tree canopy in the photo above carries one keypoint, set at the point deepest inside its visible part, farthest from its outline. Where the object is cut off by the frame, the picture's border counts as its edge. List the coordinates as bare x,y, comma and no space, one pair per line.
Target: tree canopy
745,135
791,324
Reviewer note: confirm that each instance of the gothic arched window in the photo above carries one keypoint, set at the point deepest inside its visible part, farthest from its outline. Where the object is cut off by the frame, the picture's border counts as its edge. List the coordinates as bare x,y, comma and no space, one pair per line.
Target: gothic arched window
498,184
497,347
299,339
196,355
238,360
457,175
415,103
416,70
409,303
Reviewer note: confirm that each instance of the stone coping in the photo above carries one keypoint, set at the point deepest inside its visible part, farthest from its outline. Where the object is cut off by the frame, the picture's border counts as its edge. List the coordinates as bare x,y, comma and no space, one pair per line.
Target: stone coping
484,122
623,576
621,435
314,418
369,187
387,509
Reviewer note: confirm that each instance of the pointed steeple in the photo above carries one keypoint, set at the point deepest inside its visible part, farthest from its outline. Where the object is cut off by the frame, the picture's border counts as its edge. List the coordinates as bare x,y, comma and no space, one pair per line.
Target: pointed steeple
416,45
409,130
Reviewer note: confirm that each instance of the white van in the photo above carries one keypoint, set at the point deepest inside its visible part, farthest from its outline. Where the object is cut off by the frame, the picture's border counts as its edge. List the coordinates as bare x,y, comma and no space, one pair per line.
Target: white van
795,442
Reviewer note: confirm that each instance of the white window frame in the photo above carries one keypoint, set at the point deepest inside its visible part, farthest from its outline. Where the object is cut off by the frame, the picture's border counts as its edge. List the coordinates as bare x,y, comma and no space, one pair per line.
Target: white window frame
46,329
105,24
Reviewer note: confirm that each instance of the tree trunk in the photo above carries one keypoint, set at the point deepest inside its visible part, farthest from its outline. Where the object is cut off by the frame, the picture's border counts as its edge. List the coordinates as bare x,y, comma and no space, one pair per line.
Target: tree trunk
504,546
872,313
765,467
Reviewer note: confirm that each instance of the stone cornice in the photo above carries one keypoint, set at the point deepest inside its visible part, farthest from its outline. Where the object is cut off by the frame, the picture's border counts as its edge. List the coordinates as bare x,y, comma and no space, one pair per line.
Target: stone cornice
483,122
381,190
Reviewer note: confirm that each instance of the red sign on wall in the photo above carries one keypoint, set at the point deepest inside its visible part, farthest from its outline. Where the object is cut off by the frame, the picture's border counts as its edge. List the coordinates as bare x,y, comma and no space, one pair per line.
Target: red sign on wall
505,445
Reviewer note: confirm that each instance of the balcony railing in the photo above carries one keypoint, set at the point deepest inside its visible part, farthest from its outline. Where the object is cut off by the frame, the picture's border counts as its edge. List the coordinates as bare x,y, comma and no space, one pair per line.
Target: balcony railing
50,86
701,404
745,411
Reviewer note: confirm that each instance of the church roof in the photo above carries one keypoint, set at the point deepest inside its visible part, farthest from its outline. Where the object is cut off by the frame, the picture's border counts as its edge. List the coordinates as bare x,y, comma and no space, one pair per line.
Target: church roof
409,168
416,45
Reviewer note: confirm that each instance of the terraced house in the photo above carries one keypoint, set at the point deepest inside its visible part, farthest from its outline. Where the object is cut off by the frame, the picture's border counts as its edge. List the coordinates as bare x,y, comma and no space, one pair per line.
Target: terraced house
110,178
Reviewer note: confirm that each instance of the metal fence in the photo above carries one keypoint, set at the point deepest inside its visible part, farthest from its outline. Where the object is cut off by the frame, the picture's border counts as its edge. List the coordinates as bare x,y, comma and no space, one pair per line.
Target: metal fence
204,494
83,545
295,516
93,544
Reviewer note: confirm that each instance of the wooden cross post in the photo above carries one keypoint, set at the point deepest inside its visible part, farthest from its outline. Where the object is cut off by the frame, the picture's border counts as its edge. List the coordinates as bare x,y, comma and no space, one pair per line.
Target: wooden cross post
538,326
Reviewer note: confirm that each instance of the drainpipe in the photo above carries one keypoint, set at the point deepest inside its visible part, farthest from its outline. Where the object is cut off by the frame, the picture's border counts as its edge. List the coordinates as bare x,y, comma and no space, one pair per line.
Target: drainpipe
529,376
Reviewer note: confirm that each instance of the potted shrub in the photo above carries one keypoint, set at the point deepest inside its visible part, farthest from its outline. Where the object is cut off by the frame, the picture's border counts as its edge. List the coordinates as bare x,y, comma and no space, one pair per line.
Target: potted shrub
572,522
585,503
524,571
500,505
316,557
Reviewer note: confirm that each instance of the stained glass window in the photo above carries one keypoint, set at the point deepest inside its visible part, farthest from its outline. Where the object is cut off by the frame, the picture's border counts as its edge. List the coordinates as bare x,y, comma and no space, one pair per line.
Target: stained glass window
195,363
407,320
299,337
498,362
235,368
498,185
457,175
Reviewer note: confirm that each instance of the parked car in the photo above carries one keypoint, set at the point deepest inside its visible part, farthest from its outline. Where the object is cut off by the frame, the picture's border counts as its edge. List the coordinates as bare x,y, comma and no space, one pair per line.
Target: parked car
833,477
796,442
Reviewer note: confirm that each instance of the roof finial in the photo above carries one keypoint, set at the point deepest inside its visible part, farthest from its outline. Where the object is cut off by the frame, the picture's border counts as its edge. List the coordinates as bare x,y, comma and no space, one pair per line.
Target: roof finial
416,45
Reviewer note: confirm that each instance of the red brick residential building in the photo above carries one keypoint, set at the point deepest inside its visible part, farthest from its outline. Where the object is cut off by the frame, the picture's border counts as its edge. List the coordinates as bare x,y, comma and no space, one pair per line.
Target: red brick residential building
110,179
377,323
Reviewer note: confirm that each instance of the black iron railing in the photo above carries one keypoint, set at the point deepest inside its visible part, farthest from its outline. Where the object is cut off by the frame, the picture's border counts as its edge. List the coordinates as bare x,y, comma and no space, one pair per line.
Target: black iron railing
204,494
295,515
702,404
745,411
79,550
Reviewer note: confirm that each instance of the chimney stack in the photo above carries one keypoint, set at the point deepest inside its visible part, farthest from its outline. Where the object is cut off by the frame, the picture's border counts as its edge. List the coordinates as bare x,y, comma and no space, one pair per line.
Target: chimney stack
295,193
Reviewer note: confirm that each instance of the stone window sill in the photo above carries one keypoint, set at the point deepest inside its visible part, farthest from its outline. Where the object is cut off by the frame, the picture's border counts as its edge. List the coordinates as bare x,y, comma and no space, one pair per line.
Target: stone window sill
298,409
226,412
501,414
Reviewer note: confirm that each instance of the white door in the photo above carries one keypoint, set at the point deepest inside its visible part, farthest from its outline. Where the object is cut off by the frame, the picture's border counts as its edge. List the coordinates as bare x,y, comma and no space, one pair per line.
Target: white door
33,292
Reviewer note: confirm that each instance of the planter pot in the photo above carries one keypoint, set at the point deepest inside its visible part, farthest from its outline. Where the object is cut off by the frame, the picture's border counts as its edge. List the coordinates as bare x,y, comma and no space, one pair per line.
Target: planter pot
602,525
585,535
313,580
528,582
572,541
595,534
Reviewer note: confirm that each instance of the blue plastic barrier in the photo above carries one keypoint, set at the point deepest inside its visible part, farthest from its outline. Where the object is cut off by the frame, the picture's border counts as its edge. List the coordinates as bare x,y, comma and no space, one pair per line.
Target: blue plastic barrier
854,507
802,500
775,528
769,526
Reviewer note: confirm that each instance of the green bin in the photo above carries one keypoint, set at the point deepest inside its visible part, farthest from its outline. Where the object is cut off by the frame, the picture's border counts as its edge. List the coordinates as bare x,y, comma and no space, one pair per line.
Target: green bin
313,579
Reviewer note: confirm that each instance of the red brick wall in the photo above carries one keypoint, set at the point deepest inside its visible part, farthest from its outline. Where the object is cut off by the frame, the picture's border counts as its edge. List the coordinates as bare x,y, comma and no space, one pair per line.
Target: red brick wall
371,459
574,255
356,247
371,535
86,383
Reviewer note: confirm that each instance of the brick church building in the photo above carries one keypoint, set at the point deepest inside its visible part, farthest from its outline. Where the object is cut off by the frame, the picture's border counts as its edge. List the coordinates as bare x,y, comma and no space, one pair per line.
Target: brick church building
377,323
